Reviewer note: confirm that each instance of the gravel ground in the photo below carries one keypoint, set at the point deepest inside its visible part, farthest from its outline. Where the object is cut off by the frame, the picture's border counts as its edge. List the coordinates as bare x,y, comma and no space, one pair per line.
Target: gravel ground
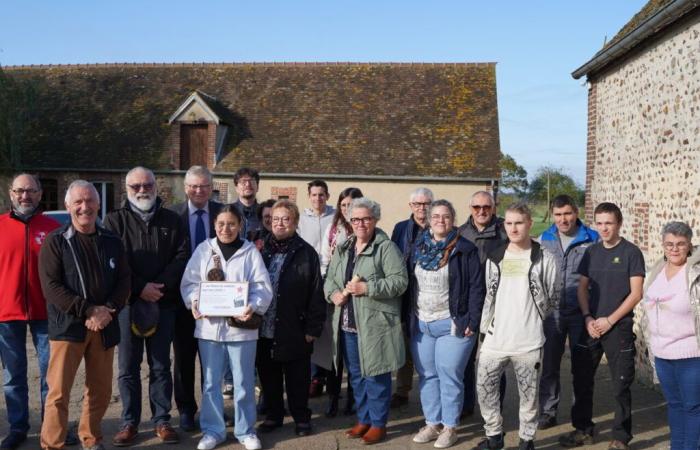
650,426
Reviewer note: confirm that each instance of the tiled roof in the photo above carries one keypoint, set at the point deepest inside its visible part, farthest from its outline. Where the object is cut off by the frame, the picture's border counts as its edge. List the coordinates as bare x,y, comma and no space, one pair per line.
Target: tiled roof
381,119
646,12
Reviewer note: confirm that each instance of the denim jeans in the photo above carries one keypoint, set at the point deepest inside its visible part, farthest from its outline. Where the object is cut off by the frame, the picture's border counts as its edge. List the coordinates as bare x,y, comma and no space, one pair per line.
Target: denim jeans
556,329
680,382
160,379
13,352
440,360
372,394
239,356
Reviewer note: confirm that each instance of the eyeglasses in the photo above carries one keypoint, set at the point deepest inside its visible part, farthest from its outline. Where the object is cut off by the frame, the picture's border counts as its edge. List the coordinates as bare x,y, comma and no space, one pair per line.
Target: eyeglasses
249,181
195,187
420,204
676,245
283,220
20,191
364,220
481,207
137,187
437,217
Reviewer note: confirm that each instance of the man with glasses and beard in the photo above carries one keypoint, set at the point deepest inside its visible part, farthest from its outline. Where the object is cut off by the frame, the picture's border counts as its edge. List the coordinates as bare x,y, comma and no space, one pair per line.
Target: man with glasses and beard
156,246
22,304
485,230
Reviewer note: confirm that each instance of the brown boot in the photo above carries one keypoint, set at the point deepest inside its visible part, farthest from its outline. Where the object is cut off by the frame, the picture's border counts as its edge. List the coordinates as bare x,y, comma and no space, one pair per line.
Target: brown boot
357,431
374,435
126,436
167,434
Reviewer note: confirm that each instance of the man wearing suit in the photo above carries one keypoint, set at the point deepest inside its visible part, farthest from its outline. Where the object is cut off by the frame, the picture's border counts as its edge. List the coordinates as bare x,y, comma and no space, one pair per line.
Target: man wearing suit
198,214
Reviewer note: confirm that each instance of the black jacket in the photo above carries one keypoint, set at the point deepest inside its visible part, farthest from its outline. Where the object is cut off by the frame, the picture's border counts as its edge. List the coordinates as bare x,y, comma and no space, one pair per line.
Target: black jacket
404,236
182,210
158,250
467,287
63,280
487,240
301,308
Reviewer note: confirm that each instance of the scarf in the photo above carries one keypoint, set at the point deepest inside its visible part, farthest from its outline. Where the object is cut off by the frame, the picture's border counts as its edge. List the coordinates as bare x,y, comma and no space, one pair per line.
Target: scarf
277,246
432,255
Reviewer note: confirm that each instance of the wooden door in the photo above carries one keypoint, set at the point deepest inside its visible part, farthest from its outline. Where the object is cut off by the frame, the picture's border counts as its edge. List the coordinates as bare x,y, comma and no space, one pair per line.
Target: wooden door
193,147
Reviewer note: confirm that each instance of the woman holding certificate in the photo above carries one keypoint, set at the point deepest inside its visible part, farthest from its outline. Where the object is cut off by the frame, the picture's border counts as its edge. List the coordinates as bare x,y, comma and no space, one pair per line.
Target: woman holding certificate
227,287
365,280
293,321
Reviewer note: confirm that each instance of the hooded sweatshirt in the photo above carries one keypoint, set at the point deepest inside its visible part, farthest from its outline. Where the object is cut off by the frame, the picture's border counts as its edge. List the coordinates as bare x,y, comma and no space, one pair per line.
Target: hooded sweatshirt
311,226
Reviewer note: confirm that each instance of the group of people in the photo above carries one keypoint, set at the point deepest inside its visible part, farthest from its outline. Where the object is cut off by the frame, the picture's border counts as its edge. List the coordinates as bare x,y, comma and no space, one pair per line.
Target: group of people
328,290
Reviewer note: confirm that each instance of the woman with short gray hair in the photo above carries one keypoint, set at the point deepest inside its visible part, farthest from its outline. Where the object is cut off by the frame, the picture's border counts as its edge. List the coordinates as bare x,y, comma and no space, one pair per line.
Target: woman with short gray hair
365,280
672,327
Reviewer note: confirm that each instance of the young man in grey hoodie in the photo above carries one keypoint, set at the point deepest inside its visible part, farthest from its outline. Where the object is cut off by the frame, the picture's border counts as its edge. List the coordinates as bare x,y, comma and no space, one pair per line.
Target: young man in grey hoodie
314,221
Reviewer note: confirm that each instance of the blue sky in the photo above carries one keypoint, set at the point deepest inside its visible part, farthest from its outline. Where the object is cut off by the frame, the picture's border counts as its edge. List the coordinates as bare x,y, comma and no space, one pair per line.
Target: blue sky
537,44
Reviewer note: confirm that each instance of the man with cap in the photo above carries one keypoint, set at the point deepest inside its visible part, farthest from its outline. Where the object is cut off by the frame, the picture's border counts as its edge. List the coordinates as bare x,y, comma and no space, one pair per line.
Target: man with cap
86,280
22,304
197,215
156,246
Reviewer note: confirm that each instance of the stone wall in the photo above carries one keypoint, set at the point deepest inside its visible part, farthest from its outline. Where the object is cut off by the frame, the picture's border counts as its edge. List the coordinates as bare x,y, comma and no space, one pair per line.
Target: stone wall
644,144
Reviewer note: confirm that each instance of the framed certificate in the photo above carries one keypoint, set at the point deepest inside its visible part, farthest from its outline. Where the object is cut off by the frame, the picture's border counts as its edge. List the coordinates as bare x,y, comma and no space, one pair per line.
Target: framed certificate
222,298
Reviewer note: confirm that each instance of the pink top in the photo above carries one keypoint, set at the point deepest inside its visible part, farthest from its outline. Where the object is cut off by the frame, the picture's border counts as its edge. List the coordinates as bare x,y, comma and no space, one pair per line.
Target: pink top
671,325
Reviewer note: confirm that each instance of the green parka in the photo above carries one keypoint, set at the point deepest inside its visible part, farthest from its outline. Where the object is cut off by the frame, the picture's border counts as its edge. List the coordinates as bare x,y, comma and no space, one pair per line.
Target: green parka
377,314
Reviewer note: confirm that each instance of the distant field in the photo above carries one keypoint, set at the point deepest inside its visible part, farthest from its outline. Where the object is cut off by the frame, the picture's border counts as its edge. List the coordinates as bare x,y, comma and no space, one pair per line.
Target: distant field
538,213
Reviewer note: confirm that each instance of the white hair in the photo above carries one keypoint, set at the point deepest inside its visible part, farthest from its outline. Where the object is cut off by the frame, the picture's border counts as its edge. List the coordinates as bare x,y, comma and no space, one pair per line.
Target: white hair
421,191
370,205
484,194
80,184
198,171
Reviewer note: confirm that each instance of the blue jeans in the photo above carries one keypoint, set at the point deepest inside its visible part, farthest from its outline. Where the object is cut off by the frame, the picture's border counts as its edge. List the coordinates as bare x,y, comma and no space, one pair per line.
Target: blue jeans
372,394
160,379
13,353
440,359
680,382
217,357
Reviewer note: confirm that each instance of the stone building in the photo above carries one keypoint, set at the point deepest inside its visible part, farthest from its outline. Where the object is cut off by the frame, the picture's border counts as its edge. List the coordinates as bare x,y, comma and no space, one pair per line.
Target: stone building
385,128
643,148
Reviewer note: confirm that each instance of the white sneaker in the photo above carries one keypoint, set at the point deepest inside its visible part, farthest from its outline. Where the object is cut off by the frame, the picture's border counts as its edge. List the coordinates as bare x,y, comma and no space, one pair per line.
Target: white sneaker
447,438
208,442
251,442
426,434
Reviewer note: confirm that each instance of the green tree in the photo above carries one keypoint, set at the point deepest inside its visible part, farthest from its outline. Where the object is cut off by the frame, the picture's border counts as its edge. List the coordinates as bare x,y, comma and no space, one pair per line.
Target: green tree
550,182
513,176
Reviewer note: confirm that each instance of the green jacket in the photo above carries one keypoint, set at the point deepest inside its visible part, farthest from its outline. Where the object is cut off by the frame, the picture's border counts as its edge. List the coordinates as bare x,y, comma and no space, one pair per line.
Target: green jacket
377,314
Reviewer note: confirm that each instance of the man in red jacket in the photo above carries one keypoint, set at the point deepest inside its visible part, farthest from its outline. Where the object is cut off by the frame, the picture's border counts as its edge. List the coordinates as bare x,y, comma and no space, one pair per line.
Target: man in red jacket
22,303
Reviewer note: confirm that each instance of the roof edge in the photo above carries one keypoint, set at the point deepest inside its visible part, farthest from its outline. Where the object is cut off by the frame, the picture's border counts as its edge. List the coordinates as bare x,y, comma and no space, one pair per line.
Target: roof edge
653,24
305,176
243,64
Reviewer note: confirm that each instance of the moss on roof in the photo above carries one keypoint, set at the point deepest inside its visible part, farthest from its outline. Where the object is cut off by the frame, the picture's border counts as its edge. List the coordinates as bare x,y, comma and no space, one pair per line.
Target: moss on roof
365,119
646,12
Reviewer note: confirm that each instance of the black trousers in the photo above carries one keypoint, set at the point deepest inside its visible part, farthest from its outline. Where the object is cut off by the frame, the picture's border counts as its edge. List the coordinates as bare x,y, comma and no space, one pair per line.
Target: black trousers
185,351
277,376
618,347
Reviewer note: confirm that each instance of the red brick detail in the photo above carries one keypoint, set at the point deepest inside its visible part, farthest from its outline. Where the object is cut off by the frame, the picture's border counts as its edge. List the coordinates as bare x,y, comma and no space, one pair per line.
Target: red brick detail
211,145
591,148
223,188
640,226
284,192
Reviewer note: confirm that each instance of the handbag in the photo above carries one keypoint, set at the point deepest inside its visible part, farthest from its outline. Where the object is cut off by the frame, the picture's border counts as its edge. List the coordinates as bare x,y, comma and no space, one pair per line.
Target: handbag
217,274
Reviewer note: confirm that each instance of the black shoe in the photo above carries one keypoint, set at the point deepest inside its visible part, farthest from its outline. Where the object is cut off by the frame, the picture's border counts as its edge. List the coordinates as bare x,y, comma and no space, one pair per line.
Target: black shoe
577,438
332,408
13,440
72,436
398,401
526,445
545,422
187,422
491,443
303,429
268,425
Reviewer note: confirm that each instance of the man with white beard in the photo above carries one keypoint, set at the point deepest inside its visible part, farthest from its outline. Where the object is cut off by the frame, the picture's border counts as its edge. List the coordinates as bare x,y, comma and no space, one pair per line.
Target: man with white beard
155,242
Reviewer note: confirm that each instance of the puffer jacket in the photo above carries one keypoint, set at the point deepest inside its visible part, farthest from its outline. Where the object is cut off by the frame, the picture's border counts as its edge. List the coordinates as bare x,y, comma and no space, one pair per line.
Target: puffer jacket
567,262
246,265
378,313
542,277
692,276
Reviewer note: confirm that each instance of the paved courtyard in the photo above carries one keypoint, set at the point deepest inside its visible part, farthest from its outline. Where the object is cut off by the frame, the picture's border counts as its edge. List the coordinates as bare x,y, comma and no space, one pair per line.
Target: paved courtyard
650,427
